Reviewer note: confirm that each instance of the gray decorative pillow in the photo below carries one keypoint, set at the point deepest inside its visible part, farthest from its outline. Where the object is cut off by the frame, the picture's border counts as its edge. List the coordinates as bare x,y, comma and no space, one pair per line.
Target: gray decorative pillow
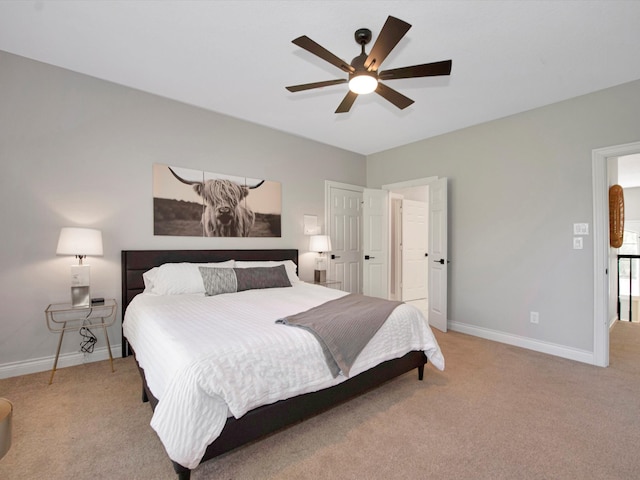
218,280
229,280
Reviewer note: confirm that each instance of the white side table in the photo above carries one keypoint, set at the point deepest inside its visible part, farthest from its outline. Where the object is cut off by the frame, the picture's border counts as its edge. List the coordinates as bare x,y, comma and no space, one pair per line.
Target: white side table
62,317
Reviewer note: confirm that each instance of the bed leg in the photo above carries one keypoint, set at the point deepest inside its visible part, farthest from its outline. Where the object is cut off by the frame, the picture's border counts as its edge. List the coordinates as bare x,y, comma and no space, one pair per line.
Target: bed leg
145,397
184,473
420,372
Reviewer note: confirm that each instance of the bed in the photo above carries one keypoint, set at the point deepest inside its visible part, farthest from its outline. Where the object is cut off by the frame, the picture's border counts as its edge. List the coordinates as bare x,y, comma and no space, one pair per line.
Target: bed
245,420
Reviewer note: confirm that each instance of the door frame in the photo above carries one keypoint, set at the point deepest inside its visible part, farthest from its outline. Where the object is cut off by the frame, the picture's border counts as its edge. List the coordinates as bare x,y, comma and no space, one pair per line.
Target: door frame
600,177
418,182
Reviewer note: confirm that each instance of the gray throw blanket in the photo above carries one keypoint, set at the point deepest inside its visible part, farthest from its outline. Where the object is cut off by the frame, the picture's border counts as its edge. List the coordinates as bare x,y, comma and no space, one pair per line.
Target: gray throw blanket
343,327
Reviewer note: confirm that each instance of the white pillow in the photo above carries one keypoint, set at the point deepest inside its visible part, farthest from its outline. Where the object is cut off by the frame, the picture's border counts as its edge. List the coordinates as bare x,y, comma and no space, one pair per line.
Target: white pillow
289,266
148,277
178,278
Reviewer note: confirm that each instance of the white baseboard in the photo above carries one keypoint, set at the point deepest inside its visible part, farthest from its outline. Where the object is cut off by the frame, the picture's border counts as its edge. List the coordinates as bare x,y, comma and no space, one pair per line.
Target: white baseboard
65,360
570,353
78,358
612,322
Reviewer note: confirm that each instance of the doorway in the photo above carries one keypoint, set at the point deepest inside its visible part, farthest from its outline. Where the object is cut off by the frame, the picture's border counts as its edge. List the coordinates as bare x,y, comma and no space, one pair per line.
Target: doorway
604,168
408,252
627,269
372,249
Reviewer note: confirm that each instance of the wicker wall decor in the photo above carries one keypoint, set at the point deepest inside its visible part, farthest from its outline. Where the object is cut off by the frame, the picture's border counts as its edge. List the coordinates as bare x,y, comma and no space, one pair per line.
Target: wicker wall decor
616,216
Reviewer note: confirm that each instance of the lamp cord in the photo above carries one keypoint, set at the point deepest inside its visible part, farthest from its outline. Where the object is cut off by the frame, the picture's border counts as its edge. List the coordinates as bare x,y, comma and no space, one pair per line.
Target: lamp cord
89,339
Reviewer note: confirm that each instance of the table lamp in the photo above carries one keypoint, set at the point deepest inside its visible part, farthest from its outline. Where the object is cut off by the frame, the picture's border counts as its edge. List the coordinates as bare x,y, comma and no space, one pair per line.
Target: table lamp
320,244
80,242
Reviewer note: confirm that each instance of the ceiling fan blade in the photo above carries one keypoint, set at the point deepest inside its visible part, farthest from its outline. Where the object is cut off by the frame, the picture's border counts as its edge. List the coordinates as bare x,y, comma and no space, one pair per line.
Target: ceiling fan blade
392,32
318,50
425,70
309,86
393,96
348,100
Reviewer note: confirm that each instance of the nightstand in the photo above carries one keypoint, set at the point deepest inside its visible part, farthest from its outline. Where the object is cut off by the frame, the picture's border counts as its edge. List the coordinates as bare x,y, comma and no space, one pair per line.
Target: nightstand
337,284
62,317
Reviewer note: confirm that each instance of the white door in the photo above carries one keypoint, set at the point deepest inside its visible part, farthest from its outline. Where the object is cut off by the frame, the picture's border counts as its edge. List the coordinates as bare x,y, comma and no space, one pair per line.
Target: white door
438,254
375,224
415,245
344,227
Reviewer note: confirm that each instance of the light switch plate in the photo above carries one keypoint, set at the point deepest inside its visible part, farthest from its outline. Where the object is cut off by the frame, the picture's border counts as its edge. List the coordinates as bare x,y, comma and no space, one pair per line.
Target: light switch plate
581,229
577,243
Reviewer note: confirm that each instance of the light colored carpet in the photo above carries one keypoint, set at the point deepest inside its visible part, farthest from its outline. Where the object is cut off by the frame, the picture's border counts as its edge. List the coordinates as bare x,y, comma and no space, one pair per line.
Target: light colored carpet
497,412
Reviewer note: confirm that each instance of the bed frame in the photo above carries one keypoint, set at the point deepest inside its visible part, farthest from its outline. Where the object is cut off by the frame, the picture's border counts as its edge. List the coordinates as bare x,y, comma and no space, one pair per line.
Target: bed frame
269,418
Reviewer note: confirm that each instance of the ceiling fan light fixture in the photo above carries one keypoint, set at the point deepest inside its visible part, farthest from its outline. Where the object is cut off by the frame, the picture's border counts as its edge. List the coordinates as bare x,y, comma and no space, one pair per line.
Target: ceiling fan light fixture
364,70
363,83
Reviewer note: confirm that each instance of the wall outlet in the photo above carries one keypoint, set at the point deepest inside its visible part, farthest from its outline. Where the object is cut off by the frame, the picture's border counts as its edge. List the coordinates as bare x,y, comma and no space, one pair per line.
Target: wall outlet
534,317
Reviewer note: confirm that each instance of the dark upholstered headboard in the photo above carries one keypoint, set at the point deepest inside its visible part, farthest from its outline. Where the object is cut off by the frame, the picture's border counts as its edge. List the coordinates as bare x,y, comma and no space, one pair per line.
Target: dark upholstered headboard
136,262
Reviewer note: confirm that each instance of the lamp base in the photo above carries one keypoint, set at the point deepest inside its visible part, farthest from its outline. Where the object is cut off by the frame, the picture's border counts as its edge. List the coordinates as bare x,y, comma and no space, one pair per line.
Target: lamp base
80,296
319,276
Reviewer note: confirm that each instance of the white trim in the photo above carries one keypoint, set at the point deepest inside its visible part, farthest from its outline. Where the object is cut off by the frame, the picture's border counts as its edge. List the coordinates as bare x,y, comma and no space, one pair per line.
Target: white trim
576,354
601,247
418,182
343,186
44,364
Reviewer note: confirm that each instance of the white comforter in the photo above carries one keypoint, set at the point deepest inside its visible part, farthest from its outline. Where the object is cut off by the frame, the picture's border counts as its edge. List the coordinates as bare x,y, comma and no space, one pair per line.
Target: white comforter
207,357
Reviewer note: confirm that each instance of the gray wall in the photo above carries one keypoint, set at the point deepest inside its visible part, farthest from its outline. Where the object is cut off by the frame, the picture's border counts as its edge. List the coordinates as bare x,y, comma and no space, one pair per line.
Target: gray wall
516,186
76,151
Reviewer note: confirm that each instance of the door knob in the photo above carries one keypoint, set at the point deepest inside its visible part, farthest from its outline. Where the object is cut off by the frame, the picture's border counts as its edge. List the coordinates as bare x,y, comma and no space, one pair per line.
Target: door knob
333,257
367,257
441,261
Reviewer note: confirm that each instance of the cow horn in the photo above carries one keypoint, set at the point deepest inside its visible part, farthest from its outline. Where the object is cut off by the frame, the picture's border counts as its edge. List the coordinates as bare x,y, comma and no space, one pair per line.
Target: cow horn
255,182
188,182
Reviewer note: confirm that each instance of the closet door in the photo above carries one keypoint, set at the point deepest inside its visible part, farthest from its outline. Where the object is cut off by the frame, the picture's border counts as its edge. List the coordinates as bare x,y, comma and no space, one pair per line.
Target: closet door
415,261
375,246
345,228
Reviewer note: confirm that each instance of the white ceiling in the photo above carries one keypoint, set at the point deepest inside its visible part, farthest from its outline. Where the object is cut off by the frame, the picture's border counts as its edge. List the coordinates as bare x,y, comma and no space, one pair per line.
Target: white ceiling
236,57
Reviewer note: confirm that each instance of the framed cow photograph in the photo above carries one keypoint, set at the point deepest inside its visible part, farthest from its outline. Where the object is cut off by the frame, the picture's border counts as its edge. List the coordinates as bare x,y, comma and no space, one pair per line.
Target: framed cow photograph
189,202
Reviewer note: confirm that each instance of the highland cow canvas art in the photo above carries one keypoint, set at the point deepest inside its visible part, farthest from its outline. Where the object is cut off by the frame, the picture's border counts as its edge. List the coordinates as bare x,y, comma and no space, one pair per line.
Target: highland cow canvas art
188,202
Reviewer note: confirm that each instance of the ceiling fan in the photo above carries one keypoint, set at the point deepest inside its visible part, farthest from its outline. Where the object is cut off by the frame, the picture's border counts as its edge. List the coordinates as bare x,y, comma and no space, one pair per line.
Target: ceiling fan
364,76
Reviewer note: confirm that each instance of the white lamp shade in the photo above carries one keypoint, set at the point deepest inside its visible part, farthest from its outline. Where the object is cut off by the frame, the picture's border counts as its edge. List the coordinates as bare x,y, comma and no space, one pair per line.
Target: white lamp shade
319,243
80,241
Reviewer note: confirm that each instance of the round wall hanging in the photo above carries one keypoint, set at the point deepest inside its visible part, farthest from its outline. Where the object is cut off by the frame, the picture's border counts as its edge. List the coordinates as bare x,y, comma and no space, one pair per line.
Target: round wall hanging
616,216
